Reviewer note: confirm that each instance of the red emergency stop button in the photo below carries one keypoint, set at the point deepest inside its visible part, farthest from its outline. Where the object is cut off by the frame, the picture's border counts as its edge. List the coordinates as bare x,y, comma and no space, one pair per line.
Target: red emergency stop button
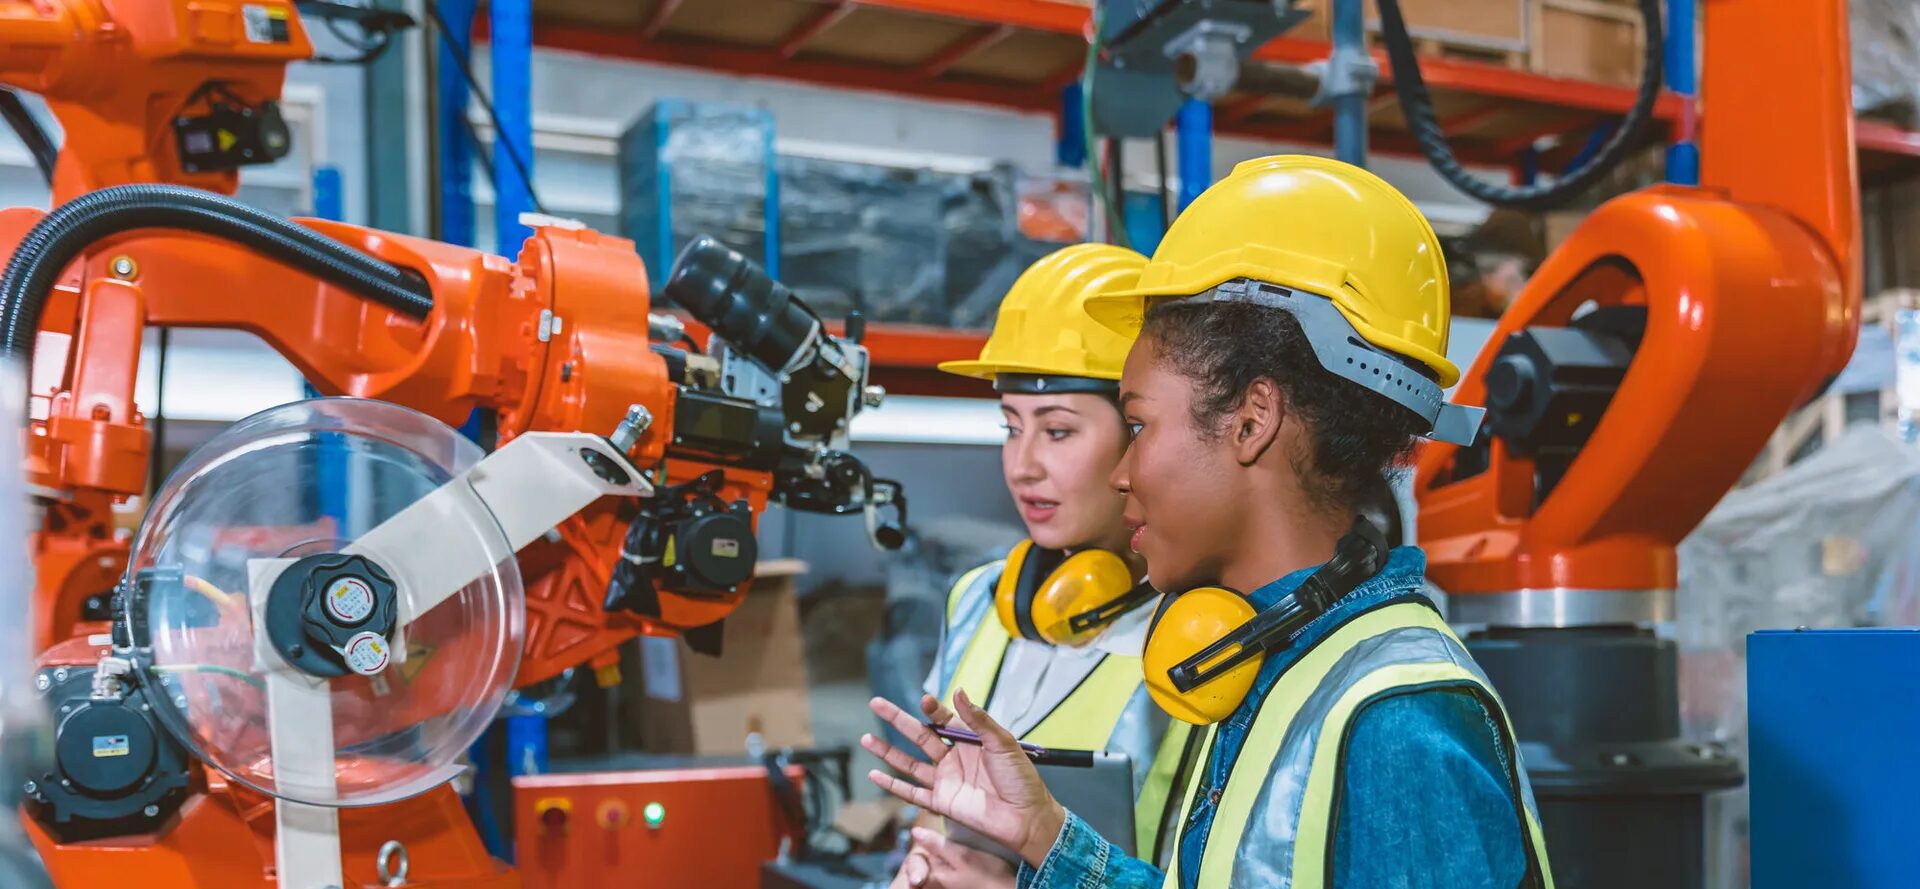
553,813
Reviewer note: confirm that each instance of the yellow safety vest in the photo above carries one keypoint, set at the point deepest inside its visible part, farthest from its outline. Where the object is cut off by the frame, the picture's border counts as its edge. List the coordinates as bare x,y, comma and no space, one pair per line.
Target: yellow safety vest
1288,769
1085,719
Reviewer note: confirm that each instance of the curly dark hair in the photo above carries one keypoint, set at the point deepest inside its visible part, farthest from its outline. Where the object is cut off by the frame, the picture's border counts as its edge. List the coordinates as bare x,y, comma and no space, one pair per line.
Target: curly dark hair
1357,435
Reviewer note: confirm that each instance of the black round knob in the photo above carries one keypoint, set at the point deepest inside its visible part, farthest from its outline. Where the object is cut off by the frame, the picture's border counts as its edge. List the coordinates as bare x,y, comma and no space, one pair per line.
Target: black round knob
1510,382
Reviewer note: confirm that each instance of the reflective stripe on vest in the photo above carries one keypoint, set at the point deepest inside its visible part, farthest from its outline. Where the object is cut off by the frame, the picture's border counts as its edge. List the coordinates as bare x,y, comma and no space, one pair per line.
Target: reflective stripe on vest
1084,720
1287,775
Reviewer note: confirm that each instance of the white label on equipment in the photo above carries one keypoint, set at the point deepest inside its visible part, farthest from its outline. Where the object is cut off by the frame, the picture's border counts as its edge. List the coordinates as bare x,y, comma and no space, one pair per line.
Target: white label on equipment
660,663
258,22
349,600
366,653
726,547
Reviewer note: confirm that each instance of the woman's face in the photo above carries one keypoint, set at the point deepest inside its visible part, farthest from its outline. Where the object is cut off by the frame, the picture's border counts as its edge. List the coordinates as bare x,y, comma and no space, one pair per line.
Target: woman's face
1181,504
1059,452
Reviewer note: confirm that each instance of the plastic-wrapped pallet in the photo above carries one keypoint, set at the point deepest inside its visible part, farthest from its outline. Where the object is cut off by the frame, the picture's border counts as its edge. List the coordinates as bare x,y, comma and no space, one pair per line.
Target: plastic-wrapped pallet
864,236
1832,541
693,168
1886,59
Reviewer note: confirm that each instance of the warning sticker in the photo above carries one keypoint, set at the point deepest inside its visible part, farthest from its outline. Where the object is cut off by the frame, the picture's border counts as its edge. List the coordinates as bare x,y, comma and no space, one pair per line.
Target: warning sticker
366,653
726,547
349,600
266,24
110,745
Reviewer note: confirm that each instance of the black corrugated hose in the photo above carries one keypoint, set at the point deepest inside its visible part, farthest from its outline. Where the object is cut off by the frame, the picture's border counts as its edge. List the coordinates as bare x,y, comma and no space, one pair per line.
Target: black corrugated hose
1417,106
82,222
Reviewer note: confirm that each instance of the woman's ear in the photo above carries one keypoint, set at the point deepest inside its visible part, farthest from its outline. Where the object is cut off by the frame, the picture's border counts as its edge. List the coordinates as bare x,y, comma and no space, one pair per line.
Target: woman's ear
1256,422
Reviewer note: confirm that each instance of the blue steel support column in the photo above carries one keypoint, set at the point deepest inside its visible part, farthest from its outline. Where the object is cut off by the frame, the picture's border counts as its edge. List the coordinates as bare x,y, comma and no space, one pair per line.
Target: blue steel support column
450,113
1193,138
512,36
1683,156
1350,102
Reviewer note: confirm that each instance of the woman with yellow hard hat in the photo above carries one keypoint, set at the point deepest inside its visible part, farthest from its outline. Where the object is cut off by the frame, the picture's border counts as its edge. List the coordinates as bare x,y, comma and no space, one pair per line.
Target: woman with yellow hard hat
1291,347
1049,638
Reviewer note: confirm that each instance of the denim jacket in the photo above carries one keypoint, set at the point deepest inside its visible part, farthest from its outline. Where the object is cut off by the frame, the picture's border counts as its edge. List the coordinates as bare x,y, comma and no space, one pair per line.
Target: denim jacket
1426,804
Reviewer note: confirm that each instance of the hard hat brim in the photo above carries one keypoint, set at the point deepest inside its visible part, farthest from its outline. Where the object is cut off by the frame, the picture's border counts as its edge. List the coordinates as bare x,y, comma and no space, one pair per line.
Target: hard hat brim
988,370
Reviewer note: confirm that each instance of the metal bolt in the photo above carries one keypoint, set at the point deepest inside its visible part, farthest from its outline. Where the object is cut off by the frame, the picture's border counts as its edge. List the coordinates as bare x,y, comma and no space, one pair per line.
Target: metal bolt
297,650
1620,759
150,811
30,788
180,701
60,674
41,682
66,783
795,428
544,331
566,371
638,420
124,268
66,708
873,396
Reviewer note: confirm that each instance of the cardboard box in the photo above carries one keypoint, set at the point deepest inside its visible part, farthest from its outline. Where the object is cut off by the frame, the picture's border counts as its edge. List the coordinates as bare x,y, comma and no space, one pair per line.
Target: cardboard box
1474,24
687,703
1587,40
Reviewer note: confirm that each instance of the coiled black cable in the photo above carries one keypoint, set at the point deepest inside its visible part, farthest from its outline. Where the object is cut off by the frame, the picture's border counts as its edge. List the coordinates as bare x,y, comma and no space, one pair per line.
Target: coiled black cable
1416,105
82,222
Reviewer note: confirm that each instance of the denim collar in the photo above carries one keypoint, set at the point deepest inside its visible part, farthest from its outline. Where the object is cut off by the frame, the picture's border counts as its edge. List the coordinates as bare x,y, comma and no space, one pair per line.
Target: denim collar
1406,567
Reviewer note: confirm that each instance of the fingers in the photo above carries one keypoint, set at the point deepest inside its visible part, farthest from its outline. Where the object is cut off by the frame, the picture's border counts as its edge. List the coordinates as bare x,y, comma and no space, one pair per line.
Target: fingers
993,736
899,759
908,792
936,713
913,729
916,869
948,856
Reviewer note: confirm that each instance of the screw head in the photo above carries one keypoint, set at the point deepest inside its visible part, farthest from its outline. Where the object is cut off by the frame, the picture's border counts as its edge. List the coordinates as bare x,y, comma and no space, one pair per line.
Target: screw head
30,788
150,811
41,682
60,674
124,267
794,427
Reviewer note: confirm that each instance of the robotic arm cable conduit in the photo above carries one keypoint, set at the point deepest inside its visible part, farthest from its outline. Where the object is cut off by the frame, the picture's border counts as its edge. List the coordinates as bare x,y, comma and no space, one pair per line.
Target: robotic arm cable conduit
1417,104
64,234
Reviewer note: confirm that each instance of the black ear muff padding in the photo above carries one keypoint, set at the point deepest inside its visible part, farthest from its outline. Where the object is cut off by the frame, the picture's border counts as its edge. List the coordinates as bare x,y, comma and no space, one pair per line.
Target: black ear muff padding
1034,569
1159,611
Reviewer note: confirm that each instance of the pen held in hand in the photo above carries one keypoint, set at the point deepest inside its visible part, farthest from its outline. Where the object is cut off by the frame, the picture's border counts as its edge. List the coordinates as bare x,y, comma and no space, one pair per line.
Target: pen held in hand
1035,752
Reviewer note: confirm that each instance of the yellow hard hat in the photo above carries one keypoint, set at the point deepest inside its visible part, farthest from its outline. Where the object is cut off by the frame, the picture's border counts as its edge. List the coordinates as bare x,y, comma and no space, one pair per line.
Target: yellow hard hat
1044,340
1316,225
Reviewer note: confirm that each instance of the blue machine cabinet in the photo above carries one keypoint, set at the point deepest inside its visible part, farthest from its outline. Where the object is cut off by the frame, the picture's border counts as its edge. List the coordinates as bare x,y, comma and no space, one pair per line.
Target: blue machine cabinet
1834,728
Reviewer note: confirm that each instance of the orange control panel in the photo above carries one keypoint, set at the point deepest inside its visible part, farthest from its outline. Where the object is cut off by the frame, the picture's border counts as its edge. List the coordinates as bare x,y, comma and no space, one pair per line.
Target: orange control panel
686,828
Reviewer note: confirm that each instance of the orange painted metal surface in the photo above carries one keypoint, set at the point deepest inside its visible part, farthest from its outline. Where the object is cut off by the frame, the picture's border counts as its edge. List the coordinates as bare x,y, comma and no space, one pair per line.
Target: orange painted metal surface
479,347
590,829
223,837
117,72
1744,306
1752,291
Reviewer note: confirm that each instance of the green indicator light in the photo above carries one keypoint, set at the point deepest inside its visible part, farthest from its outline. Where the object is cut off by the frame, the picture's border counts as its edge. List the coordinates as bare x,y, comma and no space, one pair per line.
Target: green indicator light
654,813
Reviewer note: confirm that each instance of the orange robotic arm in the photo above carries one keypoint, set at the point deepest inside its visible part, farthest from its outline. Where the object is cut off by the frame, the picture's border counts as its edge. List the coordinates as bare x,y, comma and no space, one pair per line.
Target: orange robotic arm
154,90
1638,375
1721,309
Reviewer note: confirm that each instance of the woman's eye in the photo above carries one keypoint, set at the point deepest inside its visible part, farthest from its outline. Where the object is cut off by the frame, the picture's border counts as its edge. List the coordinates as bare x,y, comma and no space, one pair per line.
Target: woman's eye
1059,434
1010,429
1133,429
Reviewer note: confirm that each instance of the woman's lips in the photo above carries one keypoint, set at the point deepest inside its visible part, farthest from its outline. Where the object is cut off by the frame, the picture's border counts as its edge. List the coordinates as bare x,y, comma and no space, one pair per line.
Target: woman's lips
1034,509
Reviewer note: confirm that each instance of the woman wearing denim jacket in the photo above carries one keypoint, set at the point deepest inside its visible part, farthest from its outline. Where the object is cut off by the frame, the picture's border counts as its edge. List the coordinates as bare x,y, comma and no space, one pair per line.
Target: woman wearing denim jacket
1292,337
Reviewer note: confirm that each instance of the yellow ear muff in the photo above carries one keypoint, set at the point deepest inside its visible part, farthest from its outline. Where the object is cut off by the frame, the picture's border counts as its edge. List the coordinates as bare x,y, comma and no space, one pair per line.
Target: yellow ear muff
1085,581
1039,591
1190,622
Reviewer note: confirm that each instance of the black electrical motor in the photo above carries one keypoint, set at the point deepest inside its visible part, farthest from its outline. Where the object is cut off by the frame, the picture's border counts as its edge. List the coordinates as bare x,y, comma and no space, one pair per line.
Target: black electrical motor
115,770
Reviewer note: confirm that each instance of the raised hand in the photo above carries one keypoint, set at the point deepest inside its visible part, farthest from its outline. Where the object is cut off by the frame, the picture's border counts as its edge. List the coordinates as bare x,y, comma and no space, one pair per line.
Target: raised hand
992,789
